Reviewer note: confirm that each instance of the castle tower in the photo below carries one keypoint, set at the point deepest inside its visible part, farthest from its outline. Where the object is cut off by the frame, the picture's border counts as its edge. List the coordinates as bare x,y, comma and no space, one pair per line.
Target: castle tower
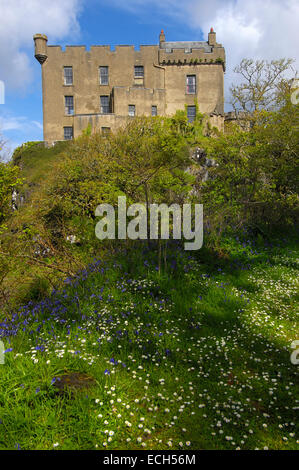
40,42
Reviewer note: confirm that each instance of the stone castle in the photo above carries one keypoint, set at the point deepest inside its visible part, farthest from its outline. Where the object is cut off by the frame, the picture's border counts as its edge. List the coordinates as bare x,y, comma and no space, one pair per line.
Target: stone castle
104,87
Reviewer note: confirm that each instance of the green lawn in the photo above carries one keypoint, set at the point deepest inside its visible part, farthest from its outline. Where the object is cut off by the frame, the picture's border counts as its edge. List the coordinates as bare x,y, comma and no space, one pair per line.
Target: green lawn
194,357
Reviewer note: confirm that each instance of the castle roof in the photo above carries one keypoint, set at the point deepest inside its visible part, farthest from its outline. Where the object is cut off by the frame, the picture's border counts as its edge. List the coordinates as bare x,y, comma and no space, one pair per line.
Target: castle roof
187,45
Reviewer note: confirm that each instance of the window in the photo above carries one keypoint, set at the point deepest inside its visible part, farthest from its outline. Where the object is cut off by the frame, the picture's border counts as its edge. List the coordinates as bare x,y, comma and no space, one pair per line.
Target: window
68,75
154,111
191,113
69,105
104,105
105,130
139,71
191,84
68,133
104,75
131,110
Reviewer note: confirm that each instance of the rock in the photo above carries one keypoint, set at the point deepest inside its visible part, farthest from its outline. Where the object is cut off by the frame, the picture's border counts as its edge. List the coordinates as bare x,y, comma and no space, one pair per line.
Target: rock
73,382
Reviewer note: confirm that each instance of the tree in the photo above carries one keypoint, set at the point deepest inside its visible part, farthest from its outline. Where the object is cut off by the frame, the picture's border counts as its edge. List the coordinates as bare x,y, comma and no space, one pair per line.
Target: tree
263,84
255,180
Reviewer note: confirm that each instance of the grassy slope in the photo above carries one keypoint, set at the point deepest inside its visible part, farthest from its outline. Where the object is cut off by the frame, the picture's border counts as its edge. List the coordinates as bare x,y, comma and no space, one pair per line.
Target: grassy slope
197,355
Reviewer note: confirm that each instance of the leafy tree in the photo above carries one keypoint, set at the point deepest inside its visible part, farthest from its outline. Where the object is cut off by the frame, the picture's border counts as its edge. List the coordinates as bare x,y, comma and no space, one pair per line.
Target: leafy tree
254,182
263,84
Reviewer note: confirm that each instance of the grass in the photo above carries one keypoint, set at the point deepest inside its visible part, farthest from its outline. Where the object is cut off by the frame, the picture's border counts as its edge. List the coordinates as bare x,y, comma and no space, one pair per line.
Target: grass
196,356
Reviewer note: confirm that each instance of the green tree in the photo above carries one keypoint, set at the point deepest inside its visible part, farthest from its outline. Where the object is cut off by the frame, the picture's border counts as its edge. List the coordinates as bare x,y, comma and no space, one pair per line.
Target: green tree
263,84
254,182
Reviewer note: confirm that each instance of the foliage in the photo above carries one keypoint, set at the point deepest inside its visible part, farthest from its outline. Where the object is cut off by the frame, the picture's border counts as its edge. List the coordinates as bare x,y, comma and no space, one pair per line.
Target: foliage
9,180
254,182
145,161
263,84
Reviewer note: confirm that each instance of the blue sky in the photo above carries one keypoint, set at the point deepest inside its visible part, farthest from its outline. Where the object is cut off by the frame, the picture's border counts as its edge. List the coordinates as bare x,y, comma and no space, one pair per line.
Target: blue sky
267,29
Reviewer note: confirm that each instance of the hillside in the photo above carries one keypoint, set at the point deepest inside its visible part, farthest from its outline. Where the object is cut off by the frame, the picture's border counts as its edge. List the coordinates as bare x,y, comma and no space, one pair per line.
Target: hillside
197,356
137,343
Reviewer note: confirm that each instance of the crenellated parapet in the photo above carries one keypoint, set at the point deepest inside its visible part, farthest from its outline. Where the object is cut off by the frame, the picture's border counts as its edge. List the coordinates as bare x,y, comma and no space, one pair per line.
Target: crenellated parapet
191,52
194,57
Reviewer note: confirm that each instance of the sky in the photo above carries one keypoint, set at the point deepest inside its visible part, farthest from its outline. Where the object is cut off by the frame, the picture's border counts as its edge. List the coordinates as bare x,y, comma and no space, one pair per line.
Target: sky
255,29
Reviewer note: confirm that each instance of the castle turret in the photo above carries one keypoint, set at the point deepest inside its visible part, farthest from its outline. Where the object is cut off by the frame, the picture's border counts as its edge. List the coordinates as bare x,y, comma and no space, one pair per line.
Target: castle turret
40,41
212,38
162,37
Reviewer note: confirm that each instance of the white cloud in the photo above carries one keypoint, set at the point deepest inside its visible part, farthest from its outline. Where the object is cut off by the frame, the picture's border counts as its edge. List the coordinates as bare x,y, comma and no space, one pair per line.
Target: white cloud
18,123
20,20
256,29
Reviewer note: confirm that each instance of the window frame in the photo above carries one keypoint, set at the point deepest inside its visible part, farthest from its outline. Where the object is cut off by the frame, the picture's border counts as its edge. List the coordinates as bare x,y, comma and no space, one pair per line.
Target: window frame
67,67
139,74
101,76
64,132
191,118
154,107
132,106
69,110
190,85
105,130
106,107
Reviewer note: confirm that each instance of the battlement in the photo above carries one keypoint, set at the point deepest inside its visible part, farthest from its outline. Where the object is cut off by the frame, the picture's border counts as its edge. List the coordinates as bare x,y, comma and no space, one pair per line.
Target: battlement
192,57
117,48
191,52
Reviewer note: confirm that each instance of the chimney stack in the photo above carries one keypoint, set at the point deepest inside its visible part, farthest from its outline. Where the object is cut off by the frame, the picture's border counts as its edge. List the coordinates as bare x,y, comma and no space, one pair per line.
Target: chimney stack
212,38
162,37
